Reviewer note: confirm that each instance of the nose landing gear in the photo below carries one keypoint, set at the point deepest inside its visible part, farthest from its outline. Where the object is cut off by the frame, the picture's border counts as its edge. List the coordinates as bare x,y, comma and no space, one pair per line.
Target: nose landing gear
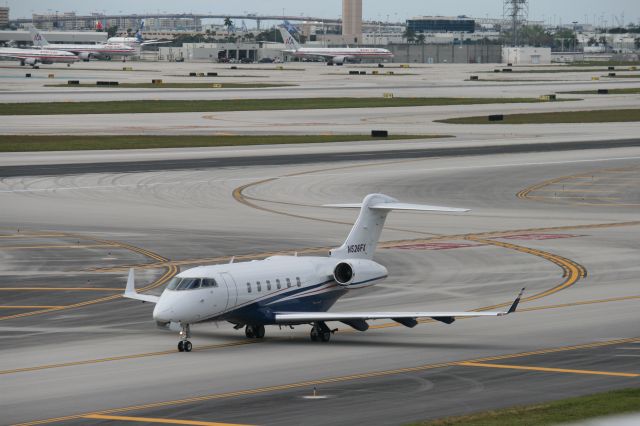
184,345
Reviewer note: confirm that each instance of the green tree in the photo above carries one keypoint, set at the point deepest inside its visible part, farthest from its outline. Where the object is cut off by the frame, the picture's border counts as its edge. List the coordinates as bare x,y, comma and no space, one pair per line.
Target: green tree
420,39
565,39
409,35
228,23
112,31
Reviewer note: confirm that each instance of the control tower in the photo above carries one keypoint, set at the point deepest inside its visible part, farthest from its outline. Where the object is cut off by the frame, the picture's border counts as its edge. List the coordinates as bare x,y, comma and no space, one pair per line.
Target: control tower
352,21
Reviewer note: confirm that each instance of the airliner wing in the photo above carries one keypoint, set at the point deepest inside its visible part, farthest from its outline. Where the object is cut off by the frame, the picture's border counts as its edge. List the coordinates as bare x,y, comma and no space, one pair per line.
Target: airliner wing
402,317
150,42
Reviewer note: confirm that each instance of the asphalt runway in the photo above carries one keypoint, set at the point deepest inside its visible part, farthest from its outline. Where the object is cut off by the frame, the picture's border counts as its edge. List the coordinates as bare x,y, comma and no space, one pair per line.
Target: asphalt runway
80,354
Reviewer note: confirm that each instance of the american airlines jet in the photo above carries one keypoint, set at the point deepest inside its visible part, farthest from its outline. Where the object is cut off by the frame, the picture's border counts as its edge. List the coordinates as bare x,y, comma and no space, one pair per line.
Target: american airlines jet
291,290
33,57
333,55
83,51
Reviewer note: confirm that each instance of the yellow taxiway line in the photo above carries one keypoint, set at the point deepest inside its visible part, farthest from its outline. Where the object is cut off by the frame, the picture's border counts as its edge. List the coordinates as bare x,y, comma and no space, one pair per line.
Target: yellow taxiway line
547,369
311,383
157,420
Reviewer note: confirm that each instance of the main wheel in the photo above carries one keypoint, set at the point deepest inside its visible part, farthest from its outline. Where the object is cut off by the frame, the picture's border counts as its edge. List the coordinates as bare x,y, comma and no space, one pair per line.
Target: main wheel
258,331
315,336
181,346
187,346
250,332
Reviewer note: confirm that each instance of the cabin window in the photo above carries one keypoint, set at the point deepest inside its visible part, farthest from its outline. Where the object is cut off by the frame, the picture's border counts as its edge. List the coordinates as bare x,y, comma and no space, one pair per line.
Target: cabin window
288,283
298,282
258,286
268,285
248,287
278,284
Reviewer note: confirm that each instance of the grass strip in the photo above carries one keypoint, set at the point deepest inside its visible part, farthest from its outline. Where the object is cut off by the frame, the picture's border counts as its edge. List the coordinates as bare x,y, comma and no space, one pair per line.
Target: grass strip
602,63
625,91
597,116
209,85
623,76
555,71
27,143
567,410
161,106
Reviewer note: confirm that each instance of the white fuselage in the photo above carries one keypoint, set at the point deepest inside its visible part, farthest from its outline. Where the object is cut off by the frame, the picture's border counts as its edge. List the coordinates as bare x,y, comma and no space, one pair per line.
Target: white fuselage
96,50
129,41
33,56
343,52
249,292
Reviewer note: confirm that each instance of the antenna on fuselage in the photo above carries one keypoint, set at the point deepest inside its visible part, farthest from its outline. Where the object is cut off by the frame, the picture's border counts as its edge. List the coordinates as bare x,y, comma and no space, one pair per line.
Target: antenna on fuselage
232,259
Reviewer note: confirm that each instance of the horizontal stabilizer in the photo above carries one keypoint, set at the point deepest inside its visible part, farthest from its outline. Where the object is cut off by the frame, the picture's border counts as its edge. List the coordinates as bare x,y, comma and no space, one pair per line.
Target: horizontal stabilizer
400,206
131,293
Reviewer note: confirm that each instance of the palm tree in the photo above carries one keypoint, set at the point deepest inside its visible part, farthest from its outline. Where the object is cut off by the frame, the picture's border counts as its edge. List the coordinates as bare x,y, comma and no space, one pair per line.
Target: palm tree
228,23
409,35
420,39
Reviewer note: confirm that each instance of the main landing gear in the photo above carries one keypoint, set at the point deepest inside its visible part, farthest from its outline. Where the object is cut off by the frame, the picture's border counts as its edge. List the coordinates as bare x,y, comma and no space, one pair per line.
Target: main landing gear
184,345
254,331
320,332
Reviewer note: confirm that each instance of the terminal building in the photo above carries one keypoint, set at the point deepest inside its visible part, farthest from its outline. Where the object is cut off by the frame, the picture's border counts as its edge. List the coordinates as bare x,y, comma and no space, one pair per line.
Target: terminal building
23,38
441,24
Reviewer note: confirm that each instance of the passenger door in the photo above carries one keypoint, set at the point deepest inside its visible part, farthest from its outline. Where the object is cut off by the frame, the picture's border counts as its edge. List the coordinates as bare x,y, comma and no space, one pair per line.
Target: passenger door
232,289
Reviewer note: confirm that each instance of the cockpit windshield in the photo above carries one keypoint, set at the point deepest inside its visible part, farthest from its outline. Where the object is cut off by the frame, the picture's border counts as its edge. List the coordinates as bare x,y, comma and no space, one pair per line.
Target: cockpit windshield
179,284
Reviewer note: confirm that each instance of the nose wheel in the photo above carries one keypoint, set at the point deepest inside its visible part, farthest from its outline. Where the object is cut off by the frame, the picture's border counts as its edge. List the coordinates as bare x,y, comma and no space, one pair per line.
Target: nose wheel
184,345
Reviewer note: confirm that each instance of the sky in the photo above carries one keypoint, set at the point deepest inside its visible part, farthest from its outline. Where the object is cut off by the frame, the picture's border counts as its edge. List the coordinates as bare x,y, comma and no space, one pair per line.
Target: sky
550,11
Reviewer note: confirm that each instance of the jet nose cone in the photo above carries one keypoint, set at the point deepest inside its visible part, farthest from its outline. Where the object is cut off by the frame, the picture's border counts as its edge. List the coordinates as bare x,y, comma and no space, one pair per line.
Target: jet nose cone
162,312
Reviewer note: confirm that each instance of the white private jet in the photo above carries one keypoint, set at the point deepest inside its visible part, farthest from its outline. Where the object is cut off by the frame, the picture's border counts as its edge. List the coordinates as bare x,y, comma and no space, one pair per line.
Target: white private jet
33,57
333,55
291,290
83,51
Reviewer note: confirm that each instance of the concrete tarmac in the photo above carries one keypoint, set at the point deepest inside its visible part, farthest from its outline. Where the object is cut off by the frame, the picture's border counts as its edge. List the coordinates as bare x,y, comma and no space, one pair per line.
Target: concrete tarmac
85,230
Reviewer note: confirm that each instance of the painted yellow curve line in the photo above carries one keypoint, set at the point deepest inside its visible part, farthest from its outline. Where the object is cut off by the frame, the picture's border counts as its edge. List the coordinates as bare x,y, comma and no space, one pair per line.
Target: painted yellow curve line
525,194
166,276
311,383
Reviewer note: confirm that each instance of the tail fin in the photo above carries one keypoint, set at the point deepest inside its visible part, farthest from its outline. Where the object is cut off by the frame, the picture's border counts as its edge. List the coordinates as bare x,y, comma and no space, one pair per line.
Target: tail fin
363,238
37,38
288,39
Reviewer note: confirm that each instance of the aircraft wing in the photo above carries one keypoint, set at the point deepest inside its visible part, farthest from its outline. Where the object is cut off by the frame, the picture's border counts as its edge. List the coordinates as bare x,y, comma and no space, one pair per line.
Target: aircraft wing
150,42
402,317
131,293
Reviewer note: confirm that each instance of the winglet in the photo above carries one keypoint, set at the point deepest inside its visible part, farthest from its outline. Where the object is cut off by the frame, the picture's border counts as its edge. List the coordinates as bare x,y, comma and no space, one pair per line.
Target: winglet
131,293
515,303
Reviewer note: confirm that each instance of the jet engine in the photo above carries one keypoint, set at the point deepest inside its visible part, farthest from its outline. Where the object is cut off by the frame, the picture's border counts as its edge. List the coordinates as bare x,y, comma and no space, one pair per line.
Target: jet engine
29,61
357,273
85,56
339,60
